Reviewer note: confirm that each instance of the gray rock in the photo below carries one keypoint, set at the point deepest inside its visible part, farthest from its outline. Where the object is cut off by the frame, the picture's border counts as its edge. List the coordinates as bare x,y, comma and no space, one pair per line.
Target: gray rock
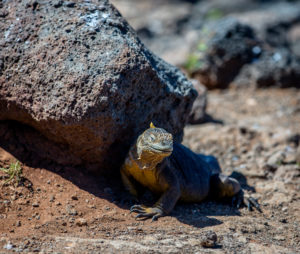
276,159
18,223
198,112
278,64
8,246
294,39
298,155
225,46
71,211
84,83
208,239
293,139
35,204
81,222
275,67
287,173
291,155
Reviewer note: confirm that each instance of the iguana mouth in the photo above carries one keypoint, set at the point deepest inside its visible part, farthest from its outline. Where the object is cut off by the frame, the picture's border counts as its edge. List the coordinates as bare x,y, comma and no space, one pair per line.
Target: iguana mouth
161,150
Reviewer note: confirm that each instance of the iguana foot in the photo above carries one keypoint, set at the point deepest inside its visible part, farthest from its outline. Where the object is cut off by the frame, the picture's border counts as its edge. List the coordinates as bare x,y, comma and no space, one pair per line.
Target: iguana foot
242,198
146,212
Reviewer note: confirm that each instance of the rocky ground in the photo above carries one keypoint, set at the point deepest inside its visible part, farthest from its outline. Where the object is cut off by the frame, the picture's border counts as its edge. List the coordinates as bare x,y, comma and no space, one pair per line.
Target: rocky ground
253,132
255,135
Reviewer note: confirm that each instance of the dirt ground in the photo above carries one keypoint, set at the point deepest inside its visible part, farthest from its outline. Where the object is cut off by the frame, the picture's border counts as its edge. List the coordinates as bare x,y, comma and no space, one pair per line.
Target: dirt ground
255,135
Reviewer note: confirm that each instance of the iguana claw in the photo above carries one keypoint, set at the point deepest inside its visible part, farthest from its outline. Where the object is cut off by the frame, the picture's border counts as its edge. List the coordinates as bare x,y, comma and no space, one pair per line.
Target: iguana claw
240,199
146,212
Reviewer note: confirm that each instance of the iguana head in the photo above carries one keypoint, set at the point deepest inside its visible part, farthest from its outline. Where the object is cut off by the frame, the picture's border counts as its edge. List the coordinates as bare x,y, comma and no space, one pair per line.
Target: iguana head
155,143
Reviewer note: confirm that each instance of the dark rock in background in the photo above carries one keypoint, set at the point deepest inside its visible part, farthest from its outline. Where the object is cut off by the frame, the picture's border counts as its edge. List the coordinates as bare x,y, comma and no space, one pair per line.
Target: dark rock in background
171,28
278,68
279,64
76,73
272,22
271,62
294,39
198,112
225,47
172,34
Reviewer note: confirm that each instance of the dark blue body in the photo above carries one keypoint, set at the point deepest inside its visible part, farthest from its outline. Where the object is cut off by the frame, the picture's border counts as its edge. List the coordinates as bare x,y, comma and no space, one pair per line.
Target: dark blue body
194,171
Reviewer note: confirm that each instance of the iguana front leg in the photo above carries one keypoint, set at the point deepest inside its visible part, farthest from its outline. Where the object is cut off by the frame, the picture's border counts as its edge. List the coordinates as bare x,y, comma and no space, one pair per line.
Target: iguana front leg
164,205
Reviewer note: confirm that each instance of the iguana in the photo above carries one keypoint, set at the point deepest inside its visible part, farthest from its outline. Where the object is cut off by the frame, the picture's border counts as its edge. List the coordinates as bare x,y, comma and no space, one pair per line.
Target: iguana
176,173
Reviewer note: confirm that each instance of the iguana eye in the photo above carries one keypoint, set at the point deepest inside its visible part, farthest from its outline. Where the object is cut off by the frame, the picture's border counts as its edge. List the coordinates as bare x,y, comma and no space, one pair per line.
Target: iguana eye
152,137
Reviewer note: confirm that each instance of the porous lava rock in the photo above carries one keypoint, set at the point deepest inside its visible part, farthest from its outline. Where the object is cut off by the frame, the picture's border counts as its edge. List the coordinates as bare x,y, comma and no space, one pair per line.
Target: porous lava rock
78,76
225,46
275,68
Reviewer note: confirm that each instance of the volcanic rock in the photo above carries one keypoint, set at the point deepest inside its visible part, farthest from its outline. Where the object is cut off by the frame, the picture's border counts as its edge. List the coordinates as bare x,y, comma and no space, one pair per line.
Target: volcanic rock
78,76
275,67
225,46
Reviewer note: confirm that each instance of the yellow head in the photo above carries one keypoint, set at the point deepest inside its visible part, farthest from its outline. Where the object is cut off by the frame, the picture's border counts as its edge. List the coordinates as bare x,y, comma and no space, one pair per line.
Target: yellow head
156,142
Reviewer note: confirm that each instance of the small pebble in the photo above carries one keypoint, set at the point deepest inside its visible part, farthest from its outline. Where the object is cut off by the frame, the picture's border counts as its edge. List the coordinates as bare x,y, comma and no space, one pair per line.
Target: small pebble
81,222
283,220
279,238
52,198
8,246
208,239
71,211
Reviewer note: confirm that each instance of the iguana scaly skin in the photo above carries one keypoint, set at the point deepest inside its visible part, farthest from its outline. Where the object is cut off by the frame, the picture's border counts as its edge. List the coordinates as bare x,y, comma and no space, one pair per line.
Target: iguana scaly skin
175,173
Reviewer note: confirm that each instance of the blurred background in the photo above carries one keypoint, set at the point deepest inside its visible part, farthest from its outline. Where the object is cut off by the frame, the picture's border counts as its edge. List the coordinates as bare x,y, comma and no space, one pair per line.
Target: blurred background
222,43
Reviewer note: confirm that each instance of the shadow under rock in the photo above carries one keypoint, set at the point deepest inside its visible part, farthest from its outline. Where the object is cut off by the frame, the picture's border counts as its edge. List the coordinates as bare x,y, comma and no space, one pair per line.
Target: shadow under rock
26,144
14,139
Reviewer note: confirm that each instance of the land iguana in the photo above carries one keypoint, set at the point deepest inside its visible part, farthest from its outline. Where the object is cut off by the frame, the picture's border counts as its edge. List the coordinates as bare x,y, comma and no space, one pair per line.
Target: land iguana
176,173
